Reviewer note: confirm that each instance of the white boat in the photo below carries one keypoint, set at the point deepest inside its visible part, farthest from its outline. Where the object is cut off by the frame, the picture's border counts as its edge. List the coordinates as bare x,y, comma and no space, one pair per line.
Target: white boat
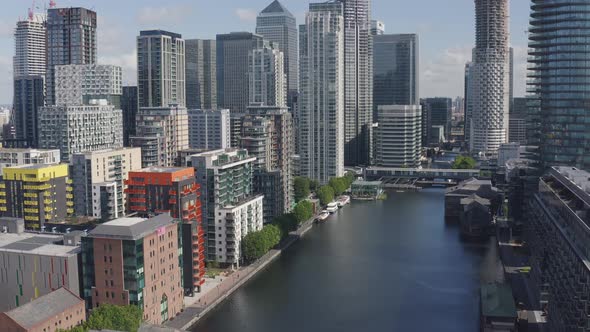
323,216
343,200
332,207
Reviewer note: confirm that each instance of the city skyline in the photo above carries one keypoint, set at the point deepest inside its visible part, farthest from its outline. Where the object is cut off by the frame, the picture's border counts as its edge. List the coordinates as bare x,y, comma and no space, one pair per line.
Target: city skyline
445,40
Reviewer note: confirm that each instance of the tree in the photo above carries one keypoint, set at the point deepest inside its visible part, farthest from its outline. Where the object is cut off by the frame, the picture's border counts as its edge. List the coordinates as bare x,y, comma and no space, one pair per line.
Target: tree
301,188
349,179
464,162
112,317
257,244
314,185
303,211
338,185
326,195
286,223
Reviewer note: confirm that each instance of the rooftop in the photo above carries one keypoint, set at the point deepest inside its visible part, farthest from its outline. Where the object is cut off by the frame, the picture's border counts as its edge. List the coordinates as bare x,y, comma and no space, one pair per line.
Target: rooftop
497,300
8,150
160,32
36,244
157,169
131,228
43,308
276,8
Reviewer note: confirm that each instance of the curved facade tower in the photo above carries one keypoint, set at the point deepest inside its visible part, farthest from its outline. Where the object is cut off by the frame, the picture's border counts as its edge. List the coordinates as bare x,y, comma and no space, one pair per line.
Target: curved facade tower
490,83
559,82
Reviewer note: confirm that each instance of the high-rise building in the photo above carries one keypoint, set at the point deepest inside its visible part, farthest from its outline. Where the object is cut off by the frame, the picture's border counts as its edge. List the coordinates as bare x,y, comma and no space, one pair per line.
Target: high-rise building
160,69
439,112
29,96
71,39
233,51
94,173
79,84
36,193
267,79
230,208
377,28
518,119
19,157
321,100
173,191
235,128
201,74
559,107
490,77
160,133
358,82
395,71
398,141
129,106
30,47
276,24
209,129
135,261
76,129
468,101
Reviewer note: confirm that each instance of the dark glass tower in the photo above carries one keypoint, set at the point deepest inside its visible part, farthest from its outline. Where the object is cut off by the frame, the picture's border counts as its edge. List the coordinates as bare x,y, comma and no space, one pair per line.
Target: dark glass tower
129,106
28,97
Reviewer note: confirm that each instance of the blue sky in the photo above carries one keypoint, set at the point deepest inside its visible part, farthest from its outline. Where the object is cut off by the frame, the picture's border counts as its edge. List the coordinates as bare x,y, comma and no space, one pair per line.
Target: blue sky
445,27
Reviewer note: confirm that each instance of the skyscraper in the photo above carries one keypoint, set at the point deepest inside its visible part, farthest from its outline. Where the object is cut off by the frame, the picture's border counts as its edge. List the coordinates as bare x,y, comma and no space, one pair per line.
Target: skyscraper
468,101
71,39
276,24
377,28
558,79
358,82
233,51
129,107
321,100
490,80
201,74
29,96
440,114
267,79
160,69
30,47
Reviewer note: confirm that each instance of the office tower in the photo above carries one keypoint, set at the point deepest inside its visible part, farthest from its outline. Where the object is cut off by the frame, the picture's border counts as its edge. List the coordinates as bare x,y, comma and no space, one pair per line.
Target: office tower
160,133
511,80
201,74
209,129
276,24
79,84
439,114
29,96
97,180
75,129
518,119
267,79
115,251
71,39
358,82
559,107
173,191
398,137
321,99
268,136
395,72
30,47
230,209
558,213
468,101
490,77
19,157
377,28
233,51
160,69
49,265
36,193
129,107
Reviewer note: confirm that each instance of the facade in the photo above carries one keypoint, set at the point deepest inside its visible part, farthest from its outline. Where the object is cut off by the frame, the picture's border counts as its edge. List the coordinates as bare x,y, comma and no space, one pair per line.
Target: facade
266,74
36,193
358,82
18,157
71,39
160,133
557,80
439,112
558,237
79,84
129,106
135,261
276,24
209,129
29,96
490,77
377,28
468,101
321,100
201,74
398,138
173,191
48,267
233,51
30,54
160,69
76,129
59,310
226,181
518,121
97,180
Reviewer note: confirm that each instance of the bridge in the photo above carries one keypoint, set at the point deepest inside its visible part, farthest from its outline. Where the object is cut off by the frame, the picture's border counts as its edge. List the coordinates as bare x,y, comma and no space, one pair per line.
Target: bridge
409,178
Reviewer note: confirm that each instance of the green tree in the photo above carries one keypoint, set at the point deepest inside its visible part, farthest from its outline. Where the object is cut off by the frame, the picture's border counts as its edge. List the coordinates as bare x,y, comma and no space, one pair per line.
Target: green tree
464,162
314,185
286,223
301,188
326,195
256,244
303,211
349,179
112,317
338,185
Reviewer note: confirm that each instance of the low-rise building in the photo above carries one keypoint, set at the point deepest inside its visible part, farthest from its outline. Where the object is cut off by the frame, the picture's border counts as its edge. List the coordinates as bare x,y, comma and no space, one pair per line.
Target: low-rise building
498,311
454,195
18,157
475,217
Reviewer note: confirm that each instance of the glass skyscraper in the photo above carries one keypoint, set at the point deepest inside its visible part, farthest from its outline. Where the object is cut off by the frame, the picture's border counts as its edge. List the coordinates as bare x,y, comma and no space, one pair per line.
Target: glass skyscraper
559,82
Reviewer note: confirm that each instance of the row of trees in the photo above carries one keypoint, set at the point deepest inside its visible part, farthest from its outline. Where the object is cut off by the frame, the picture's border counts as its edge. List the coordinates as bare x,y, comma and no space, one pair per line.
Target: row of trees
112,317
464,162
334,188
303,186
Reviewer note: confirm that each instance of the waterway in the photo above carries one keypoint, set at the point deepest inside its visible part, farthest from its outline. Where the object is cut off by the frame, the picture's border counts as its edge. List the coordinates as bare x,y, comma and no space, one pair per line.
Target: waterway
393,265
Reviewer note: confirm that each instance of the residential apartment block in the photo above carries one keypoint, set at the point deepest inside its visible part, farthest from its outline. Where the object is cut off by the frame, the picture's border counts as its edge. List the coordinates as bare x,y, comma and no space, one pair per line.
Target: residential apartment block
209,129
267,78
29,96
79,84
18,157
30,58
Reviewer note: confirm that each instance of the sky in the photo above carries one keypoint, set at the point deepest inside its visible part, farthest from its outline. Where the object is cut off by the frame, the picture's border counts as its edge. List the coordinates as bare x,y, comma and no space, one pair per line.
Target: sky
445,28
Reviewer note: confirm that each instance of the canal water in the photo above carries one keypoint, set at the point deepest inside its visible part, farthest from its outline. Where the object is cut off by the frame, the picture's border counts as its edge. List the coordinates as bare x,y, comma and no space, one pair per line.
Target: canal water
393,265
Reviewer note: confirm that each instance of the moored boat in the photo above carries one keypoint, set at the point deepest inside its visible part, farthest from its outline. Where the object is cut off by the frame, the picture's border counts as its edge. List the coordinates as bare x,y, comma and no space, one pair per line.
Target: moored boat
332,207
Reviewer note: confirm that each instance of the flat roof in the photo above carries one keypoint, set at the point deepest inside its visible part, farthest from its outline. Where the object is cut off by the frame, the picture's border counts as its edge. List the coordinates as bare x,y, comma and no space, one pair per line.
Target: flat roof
157,169
131,228
17,150
36,244
497,301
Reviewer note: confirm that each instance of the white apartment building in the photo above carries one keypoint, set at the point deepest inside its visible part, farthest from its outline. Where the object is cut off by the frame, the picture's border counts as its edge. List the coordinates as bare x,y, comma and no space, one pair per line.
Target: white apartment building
267,78
30,47
19,157
209,129
78,84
